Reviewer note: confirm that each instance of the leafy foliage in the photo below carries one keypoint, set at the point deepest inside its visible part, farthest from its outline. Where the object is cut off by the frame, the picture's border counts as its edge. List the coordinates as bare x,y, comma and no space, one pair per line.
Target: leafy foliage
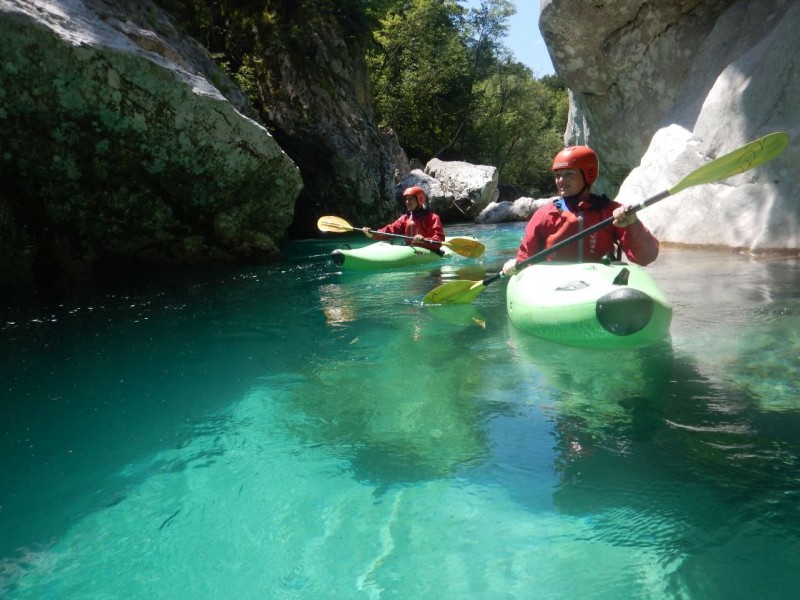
444,81
518,126
421,74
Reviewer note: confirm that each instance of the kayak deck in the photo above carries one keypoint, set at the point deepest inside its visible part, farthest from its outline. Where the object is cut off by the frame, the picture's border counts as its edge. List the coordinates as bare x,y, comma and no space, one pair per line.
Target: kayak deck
590,305
385,255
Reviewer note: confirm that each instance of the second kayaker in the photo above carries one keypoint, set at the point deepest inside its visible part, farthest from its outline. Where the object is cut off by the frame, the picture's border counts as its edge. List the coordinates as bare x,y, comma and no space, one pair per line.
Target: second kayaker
418,222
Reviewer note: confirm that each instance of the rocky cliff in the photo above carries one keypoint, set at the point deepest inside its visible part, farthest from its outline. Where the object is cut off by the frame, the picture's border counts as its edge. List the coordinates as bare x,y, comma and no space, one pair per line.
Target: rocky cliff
659,88
120,152
318,103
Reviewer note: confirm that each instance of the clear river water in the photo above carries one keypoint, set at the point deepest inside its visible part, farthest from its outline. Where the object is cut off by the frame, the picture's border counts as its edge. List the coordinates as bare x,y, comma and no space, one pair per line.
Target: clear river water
289,431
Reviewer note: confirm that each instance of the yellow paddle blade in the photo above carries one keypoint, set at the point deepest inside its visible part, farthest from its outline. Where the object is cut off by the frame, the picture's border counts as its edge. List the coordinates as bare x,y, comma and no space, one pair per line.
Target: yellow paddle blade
460,315
334,224
461,291
465,247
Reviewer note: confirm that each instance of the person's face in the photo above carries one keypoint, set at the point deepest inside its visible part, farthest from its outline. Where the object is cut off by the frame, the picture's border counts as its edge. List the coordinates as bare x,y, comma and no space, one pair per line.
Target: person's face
411,202
569,182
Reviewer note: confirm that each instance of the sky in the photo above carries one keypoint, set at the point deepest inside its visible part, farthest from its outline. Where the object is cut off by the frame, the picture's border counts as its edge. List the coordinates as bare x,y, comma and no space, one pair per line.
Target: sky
524,39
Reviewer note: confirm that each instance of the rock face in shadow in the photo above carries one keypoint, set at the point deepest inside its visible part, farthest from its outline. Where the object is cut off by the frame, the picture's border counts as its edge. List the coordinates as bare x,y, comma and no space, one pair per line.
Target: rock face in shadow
120,151
318,104
667,86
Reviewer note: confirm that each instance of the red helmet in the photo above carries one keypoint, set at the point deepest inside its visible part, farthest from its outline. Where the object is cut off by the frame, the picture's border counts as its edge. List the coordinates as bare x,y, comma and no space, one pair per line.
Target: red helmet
578,157
420,194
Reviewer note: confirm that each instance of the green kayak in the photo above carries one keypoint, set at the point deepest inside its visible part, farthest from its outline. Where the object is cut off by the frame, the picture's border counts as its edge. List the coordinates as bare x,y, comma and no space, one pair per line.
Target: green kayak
589,305
385,255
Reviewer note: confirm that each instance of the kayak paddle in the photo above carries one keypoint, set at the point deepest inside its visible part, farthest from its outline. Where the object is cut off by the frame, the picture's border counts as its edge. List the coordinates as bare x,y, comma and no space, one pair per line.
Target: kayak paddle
747,157
463,246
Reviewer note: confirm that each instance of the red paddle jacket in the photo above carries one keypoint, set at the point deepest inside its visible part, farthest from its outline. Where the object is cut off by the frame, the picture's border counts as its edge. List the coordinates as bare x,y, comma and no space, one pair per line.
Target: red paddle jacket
551,224
421,221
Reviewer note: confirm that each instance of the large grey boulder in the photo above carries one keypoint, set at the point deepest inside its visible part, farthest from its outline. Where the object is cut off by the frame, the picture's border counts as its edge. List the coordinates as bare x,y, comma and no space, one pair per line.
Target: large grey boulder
507,211
750,97
664,87
466,189
624,63
457,191
120,150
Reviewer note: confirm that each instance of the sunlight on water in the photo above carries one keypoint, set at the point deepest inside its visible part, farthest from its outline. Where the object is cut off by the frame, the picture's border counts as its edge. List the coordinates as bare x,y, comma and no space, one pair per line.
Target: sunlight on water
294,432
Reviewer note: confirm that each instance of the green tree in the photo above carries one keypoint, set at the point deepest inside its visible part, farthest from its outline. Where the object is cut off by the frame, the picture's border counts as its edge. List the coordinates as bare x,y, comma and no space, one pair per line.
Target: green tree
421,74
519,125
445,82
485,28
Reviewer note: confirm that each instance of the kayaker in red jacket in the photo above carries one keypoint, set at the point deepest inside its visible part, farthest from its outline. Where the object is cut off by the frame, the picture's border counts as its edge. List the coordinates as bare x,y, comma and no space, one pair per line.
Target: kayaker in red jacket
575,169
418,222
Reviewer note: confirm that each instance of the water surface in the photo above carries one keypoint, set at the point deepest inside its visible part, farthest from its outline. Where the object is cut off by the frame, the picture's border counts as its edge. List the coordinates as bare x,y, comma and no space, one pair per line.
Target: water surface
293,432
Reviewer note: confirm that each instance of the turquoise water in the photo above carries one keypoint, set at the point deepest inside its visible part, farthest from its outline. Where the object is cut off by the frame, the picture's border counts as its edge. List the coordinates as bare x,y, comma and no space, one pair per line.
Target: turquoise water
292,432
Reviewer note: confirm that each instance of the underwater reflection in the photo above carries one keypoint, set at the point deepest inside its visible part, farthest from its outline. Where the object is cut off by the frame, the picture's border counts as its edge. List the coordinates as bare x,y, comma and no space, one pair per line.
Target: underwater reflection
396,395
338,304
693,473
412,423
617,395
447,273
